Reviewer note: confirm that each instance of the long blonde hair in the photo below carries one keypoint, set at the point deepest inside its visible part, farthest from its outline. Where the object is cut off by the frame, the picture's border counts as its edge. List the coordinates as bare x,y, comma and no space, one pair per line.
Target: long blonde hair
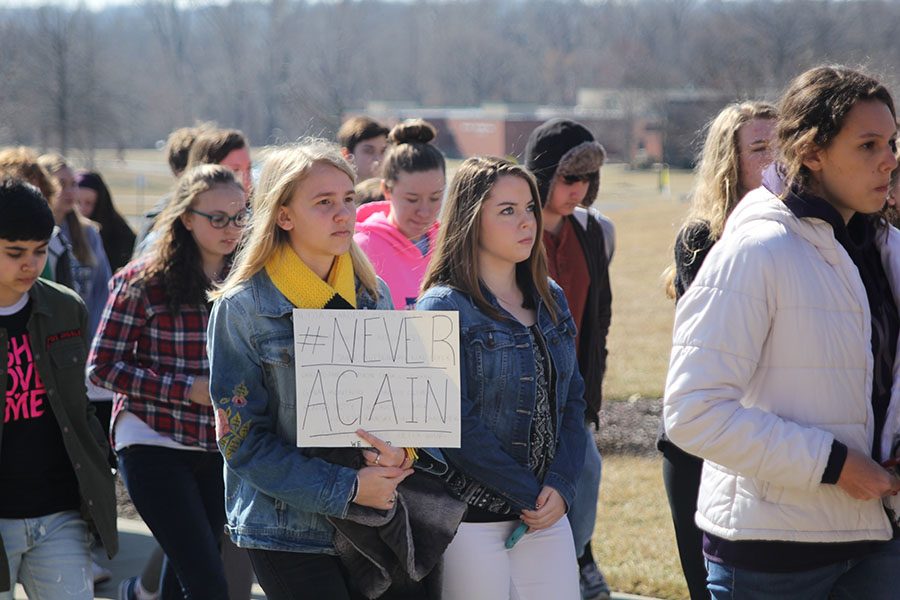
78,225
718,187
455,259
284,169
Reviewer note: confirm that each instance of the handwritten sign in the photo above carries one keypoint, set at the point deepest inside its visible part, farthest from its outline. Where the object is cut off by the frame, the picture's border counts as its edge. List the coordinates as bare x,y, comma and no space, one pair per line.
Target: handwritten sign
393,373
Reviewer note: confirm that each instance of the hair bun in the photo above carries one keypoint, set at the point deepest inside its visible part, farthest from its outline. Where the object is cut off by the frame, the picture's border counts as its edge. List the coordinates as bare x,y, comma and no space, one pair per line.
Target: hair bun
412,131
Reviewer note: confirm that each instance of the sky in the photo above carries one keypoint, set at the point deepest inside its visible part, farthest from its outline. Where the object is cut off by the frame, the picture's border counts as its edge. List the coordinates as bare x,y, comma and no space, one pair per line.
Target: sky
96,4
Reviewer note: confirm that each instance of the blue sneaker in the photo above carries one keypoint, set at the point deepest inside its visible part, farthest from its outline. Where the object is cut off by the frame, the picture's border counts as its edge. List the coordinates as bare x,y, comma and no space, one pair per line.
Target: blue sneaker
127,588
593,585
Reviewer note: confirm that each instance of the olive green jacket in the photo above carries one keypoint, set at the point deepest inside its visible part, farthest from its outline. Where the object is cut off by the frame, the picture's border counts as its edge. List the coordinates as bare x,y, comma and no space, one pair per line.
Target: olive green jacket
57,328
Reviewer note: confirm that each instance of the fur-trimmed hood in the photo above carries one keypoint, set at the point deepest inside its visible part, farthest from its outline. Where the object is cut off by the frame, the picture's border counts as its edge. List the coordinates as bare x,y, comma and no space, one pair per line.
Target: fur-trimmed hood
564,147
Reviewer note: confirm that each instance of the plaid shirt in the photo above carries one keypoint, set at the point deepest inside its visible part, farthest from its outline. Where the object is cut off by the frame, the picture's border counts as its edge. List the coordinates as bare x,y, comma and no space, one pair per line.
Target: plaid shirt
149,357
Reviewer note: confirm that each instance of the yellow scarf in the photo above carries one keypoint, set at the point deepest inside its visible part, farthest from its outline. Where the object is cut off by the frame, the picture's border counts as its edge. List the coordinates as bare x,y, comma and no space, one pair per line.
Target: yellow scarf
305,289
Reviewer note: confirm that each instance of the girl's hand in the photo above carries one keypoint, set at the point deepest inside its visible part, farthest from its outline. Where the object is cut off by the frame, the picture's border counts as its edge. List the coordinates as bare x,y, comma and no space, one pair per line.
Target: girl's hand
864,479
199,392
550,508
378,486
382,454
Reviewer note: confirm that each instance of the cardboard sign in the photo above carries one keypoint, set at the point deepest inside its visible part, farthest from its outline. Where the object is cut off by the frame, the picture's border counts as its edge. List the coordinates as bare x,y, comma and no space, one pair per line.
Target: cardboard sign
392,373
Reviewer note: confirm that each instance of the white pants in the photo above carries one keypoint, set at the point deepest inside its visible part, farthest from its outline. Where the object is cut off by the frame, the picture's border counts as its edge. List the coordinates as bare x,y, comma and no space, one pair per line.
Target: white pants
542,566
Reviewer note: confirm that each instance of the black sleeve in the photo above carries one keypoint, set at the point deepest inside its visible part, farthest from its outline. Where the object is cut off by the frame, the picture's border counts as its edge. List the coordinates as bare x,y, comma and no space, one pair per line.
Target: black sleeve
692,244
835,464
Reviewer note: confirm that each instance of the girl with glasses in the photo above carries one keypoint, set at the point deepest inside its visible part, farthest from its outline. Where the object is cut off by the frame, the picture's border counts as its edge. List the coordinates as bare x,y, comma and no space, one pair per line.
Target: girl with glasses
151,350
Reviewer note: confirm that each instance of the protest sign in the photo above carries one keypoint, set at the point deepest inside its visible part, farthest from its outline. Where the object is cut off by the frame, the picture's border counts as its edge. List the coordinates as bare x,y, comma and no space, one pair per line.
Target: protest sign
392,373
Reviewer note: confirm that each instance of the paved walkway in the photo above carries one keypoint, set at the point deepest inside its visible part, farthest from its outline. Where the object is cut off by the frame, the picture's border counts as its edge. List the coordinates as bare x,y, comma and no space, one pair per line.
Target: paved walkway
136,544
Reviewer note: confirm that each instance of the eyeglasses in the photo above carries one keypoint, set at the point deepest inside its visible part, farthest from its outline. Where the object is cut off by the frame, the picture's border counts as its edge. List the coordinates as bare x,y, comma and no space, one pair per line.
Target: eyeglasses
221,220
572,179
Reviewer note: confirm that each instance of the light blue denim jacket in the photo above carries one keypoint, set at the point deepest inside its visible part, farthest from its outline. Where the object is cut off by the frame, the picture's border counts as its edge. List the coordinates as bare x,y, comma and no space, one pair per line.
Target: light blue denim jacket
497,373
276,496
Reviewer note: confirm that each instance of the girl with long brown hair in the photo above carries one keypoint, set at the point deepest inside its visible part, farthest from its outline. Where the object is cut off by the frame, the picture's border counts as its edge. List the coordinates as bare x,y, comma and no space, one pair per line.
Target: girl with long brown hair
522,394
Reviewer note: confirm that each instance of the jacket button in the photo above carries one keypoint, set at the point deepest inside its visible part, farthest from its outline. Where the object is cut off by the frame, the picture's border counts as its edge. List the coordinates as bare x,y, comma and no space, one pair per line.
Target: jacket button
90,502
77,466
65,429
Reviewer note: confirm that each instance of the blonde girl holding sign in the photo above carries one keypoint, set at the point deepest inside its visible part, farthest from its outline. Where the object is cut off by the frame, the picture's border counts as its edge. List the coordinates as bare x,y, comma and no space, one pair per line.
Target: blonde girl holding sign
299,253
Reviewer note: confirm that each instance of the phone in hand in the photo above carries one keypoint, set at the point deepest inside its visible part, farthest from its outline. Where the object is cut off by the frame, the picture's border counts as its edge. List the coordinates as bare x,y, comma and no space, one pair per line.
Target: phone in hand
516,535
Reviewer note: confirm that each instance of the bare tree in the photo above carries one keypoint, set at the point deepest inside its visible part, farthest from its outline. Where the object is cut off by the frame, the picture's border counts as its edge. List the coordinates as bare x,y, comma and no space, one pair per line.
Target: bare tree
126,75
172,27
54,35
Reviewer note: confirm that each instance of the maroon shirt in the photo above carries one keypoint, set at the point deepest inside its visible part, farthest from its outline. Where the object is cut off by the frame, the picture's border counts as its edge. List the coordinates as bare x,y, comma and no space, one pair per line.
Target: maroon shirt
569,269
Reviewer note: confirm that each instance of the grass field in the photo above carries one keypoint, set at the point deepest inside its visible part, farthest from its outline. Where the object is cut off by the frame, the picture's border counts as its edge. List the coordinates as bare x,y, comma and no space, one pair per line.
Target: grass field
634,541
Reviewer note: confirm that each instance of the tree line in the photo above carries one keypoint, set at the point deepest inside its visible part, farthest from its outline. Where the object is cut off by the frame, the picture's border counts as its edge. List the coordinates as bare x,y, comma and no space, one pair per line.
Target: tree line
124,76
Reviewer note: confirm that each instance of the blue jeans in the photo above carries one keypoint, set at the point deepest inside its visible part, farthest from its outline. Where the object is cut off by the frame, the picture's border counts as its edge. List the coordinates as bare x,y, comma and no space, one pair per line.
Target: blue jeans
180,494
583,512
50,556
873,577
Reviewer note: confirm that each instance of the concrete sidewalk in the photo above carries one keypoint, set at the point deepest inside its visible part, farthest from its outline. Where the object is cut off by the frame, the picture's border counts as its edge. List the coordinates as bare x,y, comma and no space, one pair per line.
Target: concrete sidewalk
136,544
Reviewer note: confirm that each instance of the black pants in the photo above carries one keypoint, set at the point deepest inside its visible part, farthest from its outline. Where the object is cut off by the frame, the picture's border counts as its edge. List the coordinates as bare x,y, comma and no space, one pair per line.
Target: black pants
681,475
180,495
301,576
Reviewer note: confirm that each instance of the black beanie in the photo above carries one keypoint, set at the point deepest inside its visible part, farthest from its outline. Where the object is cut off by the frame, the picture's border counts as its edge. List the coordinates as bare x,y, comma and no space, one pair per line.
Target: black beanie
26,214
549,144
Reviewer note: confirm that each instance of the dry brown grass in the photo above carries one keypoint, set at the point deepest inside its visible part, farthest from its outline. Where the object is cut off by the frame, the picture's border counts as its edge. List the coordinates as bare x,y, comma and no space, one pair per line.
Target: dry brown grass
634,542
646,222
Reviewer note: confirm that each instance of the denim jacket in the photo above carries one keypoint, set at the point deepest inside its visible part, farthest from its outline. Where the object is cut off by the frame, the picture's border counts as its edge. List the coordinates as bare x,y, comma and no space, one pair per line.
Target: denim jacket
277,496
497,384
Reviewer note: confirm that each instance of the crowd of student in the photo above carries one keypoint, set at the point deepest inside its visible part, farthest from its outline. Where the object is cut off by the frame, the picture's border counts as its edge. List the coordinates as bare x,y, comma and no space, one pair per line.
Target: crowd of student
168,355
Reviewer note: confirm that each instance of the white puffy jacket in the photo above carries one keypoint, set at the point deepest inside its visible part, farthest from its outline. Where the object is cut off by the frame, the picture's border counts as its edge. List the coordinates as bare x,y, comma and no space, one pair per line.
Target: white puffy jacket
771,361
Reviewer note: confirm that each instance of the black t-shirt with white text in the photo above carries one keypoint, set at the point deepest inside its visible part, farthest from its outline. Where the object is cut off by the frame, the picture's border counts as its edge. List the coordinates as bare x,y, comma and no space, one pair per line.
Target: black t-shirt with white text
36,475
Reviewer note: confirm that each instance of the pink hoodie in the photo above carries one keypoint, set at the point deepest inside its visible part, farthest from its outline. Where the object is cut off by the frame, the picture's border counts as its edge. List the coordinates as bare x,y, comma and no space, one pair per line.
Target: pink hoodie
396,259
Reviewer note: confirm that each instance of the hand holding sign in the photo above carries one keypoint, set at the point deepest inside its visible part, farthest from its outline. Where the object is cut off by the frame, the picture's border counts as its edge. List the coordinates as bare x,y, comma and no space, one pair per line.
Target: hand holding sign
382,454
378,486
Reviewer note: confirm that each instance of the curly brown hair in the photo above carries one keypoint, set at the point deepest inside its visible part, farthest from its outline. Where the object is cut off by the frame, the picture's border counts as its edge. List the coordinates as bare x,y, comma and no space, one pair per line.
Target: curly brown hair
813,109
175,256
